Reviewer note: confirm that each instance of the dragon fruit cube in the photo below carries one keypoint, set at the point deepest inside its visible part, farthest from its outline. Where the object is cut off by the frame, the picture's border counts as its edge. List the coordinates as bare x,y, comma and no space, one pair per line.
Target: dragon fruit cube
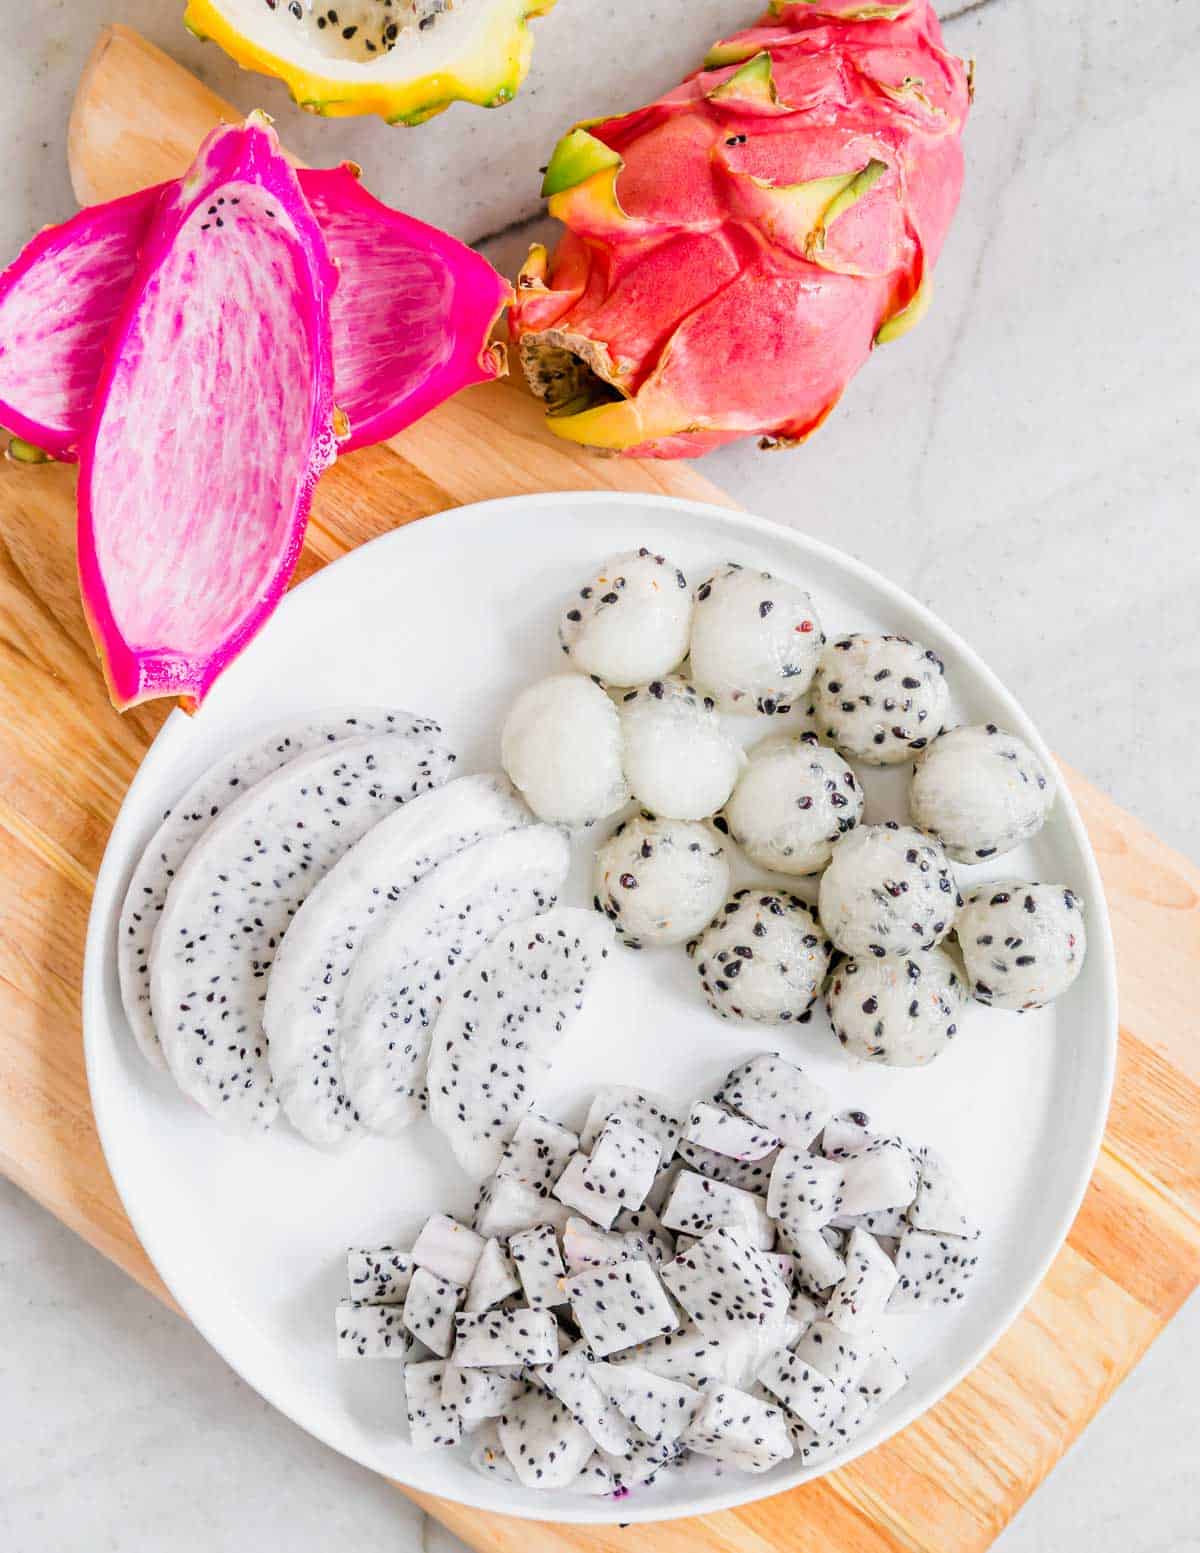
618,1306
817,1264
932,1269
751,1175
544,1445
806,1393
537,1153
727,1287
938,1206
493,1280
429,1308
805,1191
431,1423
697,1205
858,1300
882,1378
648,1111
739,1430
840,1357
476,1395
710,1127
505,1339
574,1380
779,1097
662,1409
369,1331
882,1174
505,1207
378,1277
539,1265
448,1249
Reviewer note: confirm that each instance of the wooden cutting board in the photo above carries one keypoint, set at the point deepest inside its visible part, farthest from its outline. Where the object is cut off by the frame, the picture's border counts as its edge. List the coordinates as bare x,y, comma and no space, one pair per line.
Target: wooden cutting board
951,1481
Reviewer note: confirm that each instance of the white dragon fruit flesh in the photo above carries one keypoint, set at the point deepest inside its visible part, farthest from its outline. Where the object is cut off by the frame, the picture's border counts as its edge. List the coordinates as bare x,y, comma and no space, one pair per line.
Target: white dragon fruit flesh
380,1276
778,1096
763,958
980,791
697,1205
536,1153
723,1132
840,1356
493,1280
368,1331
544,1445
858,1301
845,1133
880,699
502,1021
756,640
749,1175
561,746
660,881
739,1430
794,801
620,1305
1022,944
475,1395
645,1109
505,1339
939,1205
575,1380
662,1409
902,1010
888,890
429,1310
805,1392
539,1265
504,1207
933,1270
727,1287
806,1190
431,1422
629,622
884,1173
818,1266
679,760
448,1249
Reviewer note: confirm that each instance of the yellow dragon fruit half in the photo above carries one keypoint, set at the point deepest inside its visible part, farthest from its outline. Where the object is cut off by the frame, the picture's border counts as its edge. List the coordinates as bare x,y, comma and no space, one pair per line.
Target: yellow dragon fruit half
405,60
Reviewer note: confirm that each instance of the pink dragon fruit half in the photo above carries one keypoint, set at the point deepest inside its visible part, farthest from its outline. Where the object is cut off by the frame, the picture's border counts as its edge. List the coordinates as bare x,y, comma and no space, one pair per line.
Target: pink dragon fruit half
735,250
213,421
412,313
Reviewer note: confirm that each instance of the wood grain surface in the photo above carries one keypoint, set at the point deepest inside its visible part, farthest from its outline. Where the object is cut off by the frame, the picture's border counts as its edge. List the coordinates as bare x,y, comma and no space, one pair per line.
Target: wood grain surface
949,1482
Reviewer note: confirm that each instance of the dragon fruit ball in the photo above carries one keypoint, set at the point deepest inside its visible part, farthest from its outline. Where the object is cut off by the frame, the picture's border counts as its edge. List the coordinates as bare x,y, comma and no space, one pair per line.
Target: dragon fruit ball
1022,944
879,698
763,958
980,791
756,640
679,761
795,798
630,623
660,881
561,746
901,1010
888,890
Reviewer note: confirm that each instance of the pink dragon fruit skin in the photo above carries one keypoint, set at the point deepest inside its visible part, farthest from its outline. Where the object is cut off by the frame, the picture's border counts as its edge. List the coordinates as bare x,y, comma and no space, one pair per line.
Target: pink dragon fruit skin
58,301
212,423
736,249
411,315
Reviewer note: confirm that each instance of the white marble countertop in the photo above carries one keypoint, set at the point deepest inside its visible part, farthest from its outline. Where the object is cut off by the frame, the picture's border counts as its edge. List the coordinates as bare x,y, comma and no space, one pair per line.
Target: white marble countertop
1025,462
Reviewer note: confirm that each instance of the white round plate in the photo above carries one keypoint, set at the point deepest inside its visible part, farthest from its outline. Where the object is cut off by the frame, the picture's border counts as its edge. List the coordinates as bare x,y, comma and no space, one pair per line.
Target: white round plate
450,618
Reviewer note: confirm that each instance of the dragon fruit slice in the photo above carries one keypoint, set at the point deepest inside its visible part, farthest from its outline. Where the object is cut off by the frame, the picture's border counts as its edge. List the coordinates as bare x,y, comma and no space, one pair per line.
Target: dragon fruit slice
840,1357
721,1132
750,1175
184,391
411,314
883,1174
305,992
777,1095
859,1299
661,1409
505,1339
618,1306
191,815
645,1109
697,1205
494,1279
59,299
432,1424
699,1359
804,1391
230,902
429,1309
370,1331
933,1270
806,1190
726,1287
735,249
642,1226
575,1380
395,989
476,1395
536,1153
622,1165
817,1264
939,1205
740,1431
448,1249
504,1016
505,1207
539,1265
544,1445
845,1133
379,1277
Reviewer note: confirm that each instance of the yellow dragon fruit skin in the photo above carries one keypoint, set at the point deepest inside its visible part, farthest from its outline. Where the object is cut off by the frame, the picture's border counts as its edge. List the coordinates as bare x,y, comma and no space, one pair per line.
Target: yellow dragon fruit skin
735,250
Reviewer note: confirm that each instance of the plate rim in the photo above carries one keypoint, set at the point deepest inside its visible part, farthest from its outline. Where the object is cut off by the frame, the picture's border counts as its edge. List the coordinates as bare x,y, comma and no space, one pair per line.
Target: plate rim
1100,942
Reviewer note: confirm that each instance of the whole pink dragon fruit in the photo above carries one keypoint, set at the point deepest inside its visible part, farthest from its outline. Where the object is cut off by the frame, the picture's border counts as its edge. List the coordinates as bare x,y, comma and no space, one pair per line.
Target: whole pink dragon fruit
735,249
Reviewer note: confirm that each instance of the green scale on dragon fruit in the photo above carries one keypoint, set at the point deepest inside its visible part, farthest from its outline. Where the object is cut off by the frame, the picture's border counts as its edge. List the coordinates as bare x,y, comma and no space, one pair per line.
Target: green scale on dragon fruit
231,900
195,810
303,1013
396,985
493,1043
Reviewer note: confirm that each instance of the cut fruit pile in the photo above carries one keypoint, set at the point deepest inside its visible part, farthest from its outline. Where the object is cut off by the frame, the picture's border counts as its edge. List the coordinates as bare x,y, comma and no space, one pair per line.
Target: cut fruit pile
327,924
657,667
718,1283
403,59
158,336
736,249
